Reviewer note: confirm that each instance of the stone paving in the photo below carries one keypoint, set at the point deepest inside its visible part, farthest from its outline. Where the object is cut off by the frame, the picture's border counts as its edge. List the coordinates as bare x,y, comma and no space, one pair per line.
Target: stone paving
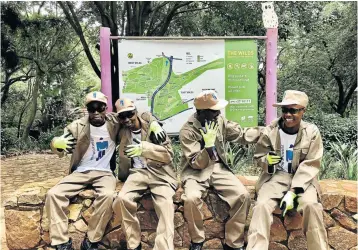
19,170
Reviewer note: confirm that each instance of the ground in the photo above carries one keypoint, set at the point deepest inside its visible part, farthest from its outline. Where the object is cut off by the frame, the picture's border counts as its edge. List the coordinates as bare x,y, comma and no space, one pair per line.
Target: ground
18,170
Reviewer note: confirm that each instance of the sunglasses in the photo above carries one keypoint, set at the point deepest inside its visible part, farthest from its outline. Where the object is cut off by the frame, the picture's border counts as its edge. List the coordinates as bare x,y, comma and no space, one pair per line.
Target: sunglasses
291,110
99,108
126,114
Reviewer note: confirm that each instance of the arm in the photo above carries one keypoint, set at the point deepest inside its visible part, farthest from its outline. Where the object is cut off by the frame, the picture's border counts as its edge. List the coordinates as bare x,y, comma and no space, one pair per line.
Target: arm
196,157
235,133
162,153
263,147
309,168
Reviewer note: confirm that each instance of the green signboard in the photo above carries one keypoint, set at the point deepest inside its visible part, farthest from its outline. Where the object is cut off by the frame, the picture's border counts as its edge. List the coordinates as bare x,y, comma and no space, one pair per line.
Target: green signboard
241,81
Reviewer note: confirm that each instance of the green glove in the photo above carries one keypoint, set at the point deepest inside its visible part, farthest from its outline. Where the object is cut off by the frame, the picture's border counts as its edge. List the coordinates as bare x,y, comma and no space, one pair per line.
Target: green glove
133,150
64,142
287,202
158,132
273,159
210,135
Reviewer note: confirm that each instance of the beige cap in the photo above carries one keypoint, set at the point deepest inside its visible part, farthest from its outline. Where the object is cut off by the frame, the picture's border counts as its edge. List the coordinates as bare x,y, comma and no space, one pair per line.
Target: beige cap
292,97
208,99
124,104
95,96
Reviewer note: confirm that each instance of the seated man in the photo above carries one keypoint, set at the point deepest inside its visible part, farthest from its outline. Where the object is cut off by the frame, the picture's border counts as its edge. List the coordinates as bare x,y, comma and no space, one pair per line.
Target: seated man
145,154
92,163
204,165
290,152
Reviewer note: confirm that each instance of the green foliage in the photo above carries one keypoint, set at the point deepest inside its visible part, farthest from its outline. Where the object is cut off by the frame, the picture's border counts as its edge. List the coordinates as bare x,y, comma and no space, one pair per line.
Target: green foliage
334,128
340,162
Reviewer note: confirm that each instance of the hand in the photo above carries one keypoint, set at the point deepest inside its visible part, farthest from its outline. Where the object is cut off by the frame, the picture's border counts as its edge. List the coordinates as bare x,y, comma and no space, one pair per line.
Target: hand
64,142
273,159
133,150
158,132
287,202
112,117
210,135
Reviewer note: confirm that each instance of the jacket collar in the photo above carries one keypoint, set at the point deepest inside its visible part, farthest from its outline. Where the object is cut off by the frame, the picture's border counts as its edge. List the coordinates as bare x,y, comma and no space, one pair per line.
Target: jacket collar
274,125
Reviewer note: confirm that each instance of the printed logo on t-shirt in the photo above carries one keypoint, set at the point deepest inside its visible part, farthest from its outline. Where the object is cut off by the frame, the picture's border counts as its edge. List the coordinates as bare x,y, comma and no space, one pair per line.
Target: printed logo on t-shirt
289,153
101,148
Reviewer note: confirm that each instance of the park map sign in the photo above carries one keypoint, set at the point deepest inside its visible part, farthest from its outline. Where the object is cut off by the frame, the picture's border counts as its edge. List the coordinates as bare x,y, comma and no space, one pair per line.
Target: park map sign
164,76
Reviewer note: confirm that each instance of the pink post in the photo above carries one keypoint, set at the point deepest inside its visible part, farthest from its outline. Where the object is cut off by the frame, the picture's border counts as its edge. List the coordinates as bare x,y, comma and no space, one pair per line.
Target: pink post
105,55
271,74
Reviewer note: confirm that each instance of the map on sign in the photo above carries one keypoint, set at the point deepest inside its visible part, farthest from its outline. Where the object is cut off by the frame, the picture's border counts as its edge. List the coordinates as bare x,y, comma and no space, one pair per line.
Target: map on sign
164,76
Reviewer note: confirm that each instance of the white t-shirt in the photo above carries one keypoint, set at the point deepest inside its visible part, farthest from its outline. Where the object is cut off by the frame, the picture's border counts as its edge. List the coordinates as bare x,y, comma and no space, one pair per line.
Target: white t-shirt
139,161
287,143
99,152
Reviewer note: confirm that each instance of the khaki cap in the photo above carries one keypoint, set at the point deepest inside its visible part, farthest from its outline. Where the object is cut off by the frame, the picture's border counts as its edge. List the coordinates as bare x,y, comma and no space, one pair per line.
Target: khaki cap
292,97
95,96
124,104
208,100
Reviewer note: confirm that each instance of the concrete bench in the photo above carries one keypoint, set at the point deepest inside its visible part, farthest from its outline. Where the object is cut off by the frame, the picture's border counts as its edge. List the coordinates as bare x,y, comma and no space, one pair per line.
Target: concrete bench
27,224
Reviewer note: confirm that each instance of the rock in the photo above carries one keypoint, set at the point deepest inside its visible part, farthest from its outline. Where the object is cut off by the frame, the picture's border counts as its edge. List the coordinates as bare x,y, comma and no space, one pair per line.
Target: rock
343,219
114,222
354,248
328,221
340,238
355,217
350,203
213,229
252,191
22,228
81,226
45,223
46,237
147,202
277,246
293,221
297,241
87,214
330,201
178,220
87,194
75,210
213,244
178,194
144,236
218,207
31,196
115,239
178,241
151,238
148,220
277,232
181,209
206,212
11,202
71,228
87,202
77,238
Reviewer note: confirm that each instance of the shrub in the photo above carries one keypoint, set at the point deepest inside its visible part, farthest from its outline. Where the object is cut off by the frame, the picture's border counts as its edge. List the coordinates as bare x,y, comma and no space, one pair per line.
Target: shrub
334,128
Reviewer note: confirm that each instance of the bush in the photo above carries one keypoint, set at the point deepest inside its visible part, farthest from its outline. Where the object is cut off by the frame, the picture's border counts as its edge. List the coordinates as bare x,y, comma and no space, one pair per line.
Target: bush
334,128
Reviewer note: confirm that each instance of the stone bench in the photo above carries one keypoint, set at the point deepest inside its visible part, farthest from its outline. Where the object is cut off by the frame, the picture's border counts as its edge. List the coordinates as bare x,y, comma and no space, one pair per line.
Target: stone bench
27,224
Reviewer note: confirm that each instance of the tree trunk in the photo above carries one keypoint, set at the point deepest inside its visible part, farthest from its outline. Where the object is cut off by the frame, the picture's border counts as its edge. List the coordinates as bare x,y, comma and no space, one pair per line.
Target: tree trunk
33,109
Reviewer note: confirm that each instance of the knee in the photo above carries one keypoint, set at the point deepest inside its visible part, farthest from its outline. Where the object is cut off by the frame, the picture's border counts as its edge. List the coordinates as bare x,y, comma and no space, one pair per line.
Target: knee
192,198
310,206
53,193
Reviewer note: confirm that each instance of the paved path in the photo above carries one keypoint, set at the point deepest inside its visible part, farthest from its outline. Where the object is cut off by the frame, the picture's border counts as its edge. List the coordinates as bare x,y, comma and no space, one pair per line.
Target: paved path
19,170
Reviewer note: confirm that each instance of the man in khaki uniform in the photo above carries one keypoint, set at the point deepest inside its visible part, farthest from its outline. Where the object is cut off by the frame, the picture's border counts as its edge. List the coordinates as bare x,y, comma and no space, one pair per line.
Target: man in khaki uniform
146,156
205,165
92,163
289,152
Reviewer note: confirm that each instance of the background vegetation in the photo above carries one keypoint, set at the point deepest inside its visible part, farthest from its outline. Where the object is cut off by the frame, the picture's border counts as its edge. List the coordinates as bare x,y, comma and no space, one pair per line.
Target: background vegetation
50,60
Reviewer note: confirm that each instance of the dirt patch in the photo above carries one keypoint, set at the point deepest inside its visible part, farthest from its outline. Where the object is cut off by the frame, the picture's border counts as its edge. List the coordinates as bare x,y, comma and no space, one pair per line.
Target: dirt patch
19,170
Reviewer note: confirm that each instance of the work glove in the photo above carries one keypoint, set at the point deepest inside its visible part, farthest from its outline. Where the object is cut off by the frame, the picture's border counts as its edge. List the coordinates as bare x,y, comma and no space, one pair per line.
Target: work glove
134,150
157,133
64,142
272,159
210,135
288,202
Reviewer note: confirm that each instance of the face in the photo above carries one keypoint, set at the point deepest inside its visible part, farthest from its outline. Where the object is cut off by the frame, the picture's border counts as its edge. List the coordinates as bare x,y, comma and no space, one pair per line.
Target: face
207,115
292,115
97,113
128,119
